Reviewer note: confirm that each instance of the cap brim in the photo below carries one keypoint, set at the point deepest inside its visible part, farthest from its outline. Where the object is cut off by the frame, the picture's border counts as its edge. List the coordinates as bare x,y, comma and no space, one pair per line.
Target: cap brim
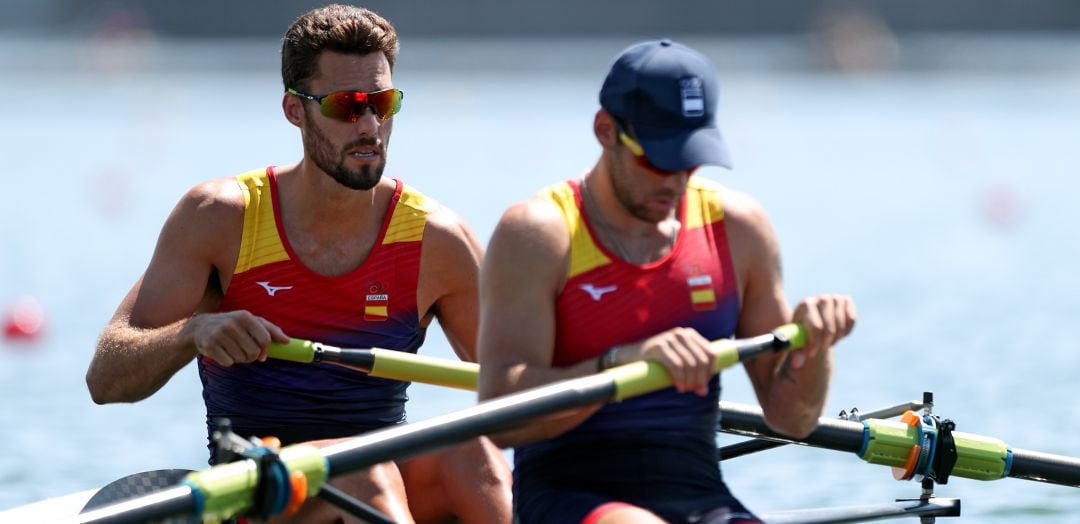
683,151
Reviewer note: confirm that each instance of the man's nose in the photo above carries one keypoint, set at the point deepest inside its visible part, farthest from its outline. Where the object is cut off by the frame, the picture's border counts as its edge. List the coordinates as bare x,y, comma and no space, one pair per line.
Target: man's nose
368,123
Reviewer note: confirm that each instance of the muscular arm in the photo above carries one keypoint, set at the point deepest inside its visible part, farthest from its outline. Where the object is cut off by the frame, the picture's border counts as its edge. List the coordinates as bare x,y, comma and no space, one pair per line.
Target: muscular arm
163,322
790,387
449,270
520,279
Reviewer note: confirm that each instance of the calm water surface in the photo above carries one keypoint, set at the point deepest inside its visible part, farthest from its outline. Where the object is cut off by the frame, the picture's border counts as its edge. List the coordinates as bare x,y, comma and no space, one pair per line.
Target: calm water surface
945,200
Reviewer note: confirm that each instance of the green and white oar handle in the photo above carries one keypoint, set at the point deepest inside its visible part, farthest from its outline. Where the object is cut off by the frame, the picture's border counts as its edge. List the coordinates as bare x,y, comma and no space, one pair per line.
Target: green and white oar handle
383,363
644,376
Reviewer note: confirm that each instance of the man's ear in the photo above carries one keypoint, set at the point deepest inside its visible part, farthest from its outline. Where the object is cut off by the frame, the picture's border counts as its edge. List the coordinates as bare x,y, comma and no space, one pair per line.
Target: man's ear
604,128
293,108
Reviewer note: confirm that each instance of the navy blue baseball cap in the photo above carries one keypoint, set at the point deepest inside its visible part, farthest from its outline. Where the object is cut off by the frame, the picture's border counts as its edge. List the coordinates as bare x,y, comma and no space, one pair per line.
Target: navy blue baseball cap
666,92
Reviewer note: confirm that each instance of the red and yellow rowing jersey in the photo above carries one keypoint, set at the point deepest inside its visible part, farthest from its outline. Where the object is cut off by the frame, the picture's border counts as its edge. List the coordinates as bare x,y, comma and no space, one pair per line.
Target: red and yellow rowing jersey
607,302
372,306
658,450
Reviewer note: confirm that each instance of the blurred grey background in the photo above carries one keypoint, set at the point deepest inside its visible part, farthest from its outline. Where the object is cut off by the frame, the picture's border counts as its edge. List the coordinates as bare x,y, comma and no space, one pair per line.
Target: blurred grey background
844,35
255,18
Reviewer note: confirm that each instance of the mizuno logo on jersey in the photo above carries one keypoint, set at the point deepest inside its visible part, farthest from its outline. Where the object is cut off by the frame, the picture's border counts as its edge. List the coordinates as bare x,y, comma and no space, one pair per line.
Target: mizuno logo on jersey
597,292
272,290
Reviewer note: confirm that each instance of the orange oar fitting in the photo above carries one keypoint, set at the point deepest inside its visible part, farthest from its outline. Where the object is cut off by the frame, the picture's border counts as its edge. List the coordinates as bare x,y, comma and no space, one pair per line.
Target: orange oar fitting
273,443
908,470
298,483
911,419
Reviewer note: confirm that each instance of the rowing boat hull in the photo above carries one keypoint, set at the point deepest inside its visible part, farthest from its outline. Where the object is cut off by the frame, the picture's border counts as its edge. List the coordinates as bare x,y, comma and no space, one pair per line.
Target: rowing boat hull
49,510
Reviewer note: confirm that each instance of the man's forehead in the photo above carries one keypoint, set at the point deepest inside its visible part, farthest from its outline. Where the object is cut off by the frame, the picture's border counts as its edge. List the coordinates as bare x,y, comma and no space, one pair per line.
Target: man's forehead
339,71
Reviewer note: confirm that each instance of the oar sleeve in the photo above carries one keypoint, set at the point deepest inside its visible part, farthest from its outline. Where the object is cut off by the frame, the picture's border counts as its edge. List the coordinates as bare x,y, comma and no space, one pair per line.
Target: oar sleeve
399,365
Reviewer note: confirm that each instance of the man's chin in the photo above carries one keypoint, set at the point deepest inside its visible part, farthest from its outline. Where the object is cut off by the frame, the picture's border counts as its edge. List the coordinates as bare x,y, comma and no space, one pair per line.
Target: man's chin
361,181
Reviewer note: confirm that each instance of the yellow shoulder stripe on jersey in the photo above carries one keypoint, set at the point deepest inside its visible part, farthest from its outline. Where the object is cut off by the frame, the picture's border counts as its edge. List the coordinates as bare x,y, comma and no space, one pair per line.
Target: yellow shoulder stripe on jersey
584,253
260,243
409,218
703,203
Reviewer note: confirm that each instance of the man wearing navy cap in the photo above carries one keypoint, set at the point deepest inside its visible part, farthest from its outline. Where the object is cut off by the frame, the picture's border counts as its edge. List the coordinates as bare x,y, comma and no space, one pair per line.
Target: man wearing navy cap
638,259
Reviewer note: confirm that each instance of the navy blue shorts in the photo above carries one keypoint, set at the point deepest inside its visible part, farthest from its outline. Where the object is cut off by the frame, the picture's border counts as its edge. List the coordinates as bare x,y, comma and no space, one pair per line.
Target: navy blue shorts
674,476
574,507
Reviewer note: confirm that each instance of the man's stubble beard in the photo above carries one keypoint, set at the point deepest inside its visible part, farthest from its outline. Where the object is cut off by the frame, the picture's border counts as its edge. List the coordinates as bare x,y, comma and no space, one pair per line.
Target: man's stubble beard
321,152
621,185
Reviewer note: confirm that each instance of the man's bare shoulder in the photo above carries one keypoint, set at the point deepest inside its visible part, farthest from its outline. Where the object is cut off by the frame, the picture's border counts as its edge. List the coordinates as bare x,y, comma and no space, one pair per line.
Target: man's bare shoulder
533,238
207,215
218,198
445,225
449,267
536,220
743,213
755,249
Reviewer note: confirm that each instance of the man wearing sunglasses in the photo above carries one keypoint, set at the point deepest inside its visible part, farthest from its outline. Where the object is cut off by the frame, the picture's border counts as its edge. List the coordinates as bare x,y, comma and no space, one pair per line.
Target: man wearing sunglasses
641,259
326,249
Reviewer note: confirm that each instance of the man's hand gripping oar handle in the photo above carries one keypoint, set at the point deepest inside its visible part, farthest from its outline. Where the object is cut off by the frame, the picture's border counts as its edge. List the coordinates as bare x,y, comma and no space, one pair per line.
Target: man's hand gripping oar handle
632,379
644,376
383,363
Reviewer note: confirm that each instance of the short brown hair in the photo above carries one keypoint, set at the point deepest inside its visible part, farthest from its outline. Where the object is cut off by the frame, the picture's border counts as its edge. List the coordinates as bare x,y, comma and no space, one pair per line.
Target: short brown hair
341,28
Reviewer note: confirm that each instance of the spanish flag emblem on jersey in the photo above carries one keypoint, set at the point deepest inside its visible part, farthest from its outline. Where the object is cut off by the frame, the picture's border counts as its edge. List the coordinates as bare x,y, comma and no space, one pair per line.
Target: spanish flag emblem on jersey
702,295
375,307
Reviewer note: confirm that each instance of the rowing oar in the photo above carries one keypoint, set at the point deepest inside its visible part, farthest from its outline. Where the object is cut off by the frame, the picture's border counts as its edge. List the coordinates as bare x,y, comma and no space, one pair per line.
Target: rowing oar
382,363
916,447
760,444
227,490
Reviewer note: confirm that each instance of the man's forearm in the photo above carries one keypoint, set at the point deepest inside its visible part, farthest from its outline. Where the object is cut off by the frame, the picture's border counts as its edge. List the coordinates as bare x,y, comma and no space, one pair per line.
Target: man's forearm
131,363
519,377
797,396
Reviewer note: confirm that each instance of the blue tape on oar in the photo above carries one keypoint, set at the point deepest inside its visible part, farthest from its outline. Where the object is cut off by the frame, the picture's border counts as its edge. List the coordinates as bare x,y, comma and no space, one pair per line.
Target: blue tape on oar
274,490
197,495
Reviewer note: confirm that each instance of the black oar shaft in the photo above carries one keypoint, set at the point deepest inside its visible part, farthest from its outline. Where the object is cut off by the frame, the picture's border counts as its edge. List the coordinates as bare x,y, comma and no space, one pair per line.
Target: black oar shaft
354,507
835,434
174,501
405,441
493,416
747,447
759,444
844,435
360,358
1045,467
932,507
504,413
749,348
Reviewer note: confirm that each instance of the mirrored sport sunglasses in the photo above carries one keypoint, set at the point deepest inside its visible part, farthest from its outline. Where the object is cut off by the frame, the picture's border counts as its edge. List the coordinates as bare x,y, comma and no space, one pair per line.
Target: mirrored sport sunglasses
349,106
639,153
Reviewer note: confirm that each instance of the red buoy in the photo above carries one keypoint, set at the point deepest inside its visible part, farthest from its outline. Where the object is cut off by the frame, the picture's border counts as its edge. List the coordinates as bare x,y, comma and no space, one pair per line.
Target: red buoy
24,320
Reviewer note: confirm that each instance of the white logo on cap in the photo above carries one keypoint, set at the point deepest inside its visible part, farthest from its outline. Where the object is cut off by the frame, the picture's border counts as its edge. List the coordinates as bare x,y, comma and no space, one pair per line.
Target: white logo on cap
693,97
